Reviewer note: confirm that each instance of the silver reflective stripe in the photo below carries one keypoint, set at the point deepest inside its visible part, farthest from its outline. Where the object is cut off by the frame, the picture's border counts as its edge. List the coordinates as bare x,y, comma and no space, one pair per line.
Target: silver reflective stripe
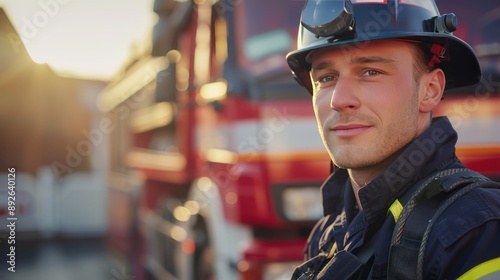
491,276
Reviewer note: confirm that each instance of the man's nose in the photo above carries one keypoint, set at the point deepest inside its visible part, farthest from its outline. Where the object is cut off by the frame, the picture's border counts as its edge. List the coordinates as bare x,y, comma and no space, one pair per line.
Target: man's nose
344,97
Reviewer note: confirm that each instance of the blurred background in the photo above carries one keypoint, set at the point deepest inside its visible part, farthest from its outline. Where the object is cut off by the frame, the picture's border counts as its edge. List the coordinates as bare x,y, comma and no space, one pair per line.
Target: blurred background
163,139
55,59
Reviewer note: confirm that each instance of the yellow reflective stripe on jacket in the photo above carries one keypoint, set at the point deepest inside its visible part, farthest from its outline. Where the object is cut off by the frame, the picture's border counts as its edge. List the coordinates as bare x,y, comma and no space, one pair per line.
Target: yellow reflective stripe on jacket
488,270
333,250
396,209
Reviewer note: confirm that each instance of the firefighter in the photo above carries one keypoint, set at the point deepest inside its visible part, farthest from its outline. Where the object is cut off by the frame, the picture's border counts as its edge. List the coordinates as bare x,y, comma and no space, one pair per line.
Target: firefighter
399,204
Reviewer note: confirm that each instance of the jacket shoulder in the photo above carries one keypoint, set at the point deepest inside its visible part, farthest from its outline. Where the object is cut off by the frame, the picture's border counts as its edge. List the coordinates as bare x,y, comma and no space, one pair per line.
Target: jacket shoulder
470,211
470,224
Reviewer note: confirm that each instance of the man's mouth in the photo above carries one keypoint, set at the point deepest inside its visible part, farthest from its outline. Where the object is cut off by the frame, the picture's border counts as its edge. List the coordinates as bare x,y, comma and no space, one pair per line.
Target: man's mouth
349,130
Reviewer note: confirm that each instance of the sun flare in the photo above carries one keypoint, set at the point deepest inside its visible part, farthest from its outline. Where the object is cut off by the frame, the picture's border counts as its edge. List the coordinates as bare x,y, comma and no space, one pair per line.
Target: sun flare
82,38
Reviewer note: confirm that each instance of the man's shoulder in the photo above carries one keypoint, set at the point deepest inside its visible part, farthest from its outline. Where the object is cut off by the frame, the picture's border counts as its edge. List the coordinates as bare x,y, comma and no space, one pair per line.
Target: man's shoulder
462,240
470,212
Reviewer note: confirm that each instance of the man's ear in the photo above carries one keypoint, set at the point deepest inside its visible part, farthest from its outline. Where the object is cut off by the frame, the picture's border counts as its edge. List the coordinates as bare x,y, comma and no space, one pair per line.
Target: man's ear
433,84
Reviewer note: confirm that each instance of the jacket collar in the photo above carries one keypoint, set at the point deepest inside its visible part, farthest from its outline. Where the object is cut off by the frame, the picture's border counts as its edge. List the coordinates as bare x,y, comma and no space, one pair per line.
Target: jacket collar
431,151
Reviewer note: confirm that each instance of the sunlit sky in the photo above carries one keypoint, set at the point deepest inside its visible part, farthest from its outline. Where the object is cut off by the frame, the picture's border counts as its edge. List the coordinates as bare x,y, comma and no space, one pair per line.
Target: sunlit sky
90,39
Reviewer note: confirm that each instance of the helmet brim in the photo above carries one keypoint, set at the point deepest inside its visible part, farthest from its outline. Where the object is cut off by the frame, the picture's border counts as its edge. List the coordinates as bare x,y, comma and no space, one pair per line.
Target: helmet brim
461,69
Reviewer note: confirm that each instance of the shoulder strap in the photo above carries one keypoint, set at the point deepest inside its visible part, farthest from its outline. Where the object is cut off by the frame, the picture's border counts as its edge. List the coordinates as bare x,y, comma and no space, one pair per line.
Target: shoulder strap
431,198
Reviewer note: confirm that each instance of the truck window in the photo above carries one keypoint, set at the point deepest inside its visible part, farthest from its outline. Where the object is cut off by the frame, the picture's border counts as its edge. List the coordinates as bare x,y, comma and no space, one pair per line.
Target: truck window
265,32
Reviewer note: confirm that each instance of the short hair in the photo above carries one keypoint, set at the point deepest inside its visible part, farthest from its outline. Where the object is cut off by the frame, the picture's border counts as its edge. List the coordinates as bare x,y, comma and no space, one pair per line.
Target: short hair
421,58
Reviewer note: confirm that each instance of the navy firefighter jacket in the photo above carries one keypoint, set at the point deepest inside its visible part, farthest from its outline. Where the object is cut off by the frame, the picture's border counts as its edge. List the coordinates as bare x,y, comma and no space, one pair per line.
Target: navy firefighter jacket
465,242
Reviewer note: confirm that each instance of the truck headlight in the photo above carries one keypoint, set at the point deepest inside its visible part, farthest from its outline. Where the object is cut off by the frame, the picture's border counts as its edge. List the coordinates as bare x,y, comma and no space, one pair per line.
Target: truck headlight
302,203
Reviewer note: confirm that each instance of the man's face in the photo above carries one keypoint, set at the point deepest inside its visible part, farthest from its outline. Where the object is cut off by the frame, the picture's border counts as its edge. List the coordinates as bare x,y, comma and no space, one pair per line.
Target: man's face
366,102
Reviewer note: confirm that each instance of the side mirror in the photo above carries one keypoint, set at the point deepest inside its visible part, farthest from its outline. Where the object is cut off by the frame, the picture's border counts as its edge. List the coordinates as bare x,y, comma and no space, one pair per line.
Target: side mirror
164,6
174,17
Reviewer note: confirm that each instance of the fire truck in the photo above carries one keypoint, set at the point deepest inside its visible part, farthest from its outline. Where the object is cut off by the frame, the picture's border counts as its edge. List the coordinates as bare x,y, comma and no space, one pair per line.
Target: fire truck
215,160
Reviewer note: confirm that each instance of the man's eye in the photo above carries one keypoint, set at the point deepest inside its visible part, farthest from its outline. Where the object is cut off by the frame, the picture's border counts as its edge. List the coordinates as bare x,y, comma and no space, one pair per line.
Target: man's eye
326,79
371,72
